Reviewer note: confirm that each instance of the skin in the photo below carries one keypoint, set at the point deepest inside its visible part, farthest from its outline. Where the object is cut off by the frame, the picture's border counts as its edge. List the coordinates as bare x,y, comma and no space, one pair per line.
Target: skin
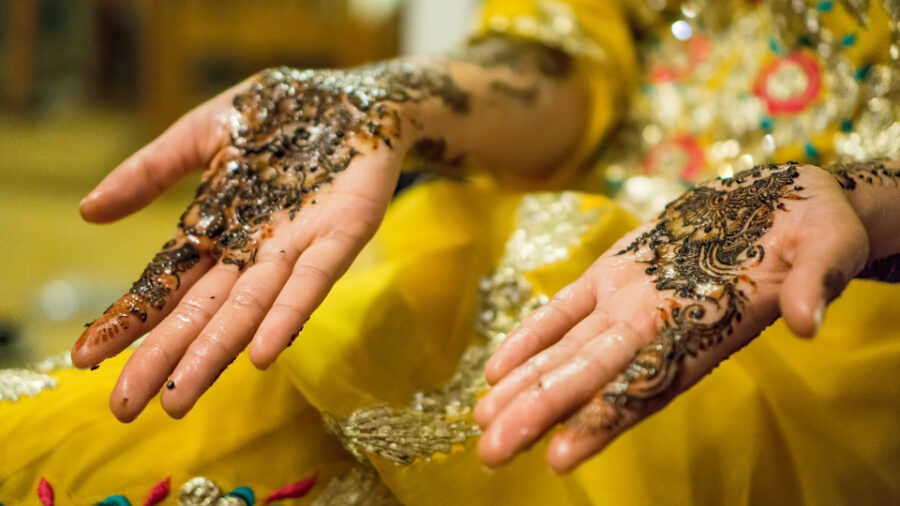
523,113
596,356
300,167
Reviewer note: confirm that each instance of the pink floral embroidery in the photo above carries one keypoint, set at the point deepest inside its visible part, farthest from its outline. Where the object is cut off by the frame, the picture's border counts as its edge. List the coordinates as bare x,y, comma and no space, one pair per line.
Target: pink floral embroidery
797,79
159,492
45,492
293,490
679,156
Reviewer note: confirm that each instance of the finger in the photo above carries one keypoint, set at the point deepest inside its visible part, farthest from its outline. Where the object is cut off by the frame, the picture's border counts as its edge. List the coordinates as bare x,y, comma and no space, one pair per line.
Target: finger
148,367
656,374
531,371
315,273
230,329
541,329
826,256
165,280
557,394
187,145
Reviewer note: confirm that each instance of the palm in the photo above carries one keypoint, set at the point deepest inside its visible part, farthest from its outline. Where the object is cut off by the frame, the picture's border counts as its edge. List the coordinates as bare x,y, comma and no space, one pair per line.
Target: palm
654,314
298,180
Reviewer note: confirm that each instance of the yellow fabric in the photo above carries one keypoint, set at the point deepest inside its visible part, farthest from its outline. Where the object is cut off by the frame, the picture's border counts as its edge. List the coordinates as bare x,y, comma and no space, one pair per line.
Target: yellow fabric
252,429
785,421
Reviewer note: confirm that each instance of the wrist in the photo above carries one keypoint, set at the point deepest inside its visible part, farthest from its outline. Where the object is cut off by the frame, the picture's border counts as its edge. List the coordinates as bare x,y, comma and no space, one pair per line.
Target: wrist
873,189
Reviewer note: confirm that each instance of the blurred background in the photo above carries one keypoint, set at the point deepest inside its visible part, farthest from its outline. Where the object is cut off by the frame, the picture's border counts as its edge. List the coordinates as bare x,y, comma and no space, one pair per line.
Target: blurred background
85,83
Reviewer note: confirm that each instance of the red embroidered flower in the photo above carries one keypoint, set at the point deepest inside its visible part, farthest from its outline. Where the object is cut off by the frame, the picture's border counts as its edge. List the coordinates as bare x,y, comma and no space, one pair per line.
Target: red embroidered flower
679,156
789,84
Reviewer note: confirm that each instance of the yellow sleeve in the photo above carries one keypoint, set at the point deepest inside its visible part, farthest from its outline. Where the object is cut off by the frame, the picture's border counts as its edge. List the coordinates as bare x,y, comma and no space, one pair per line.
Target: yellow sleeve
596,34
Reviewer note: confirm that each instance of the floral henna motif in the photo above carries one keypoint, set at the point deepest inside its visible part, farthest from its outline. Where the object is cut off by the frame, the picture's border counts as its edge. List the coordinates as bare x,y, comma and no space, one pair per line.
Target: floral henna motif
699,248
292,131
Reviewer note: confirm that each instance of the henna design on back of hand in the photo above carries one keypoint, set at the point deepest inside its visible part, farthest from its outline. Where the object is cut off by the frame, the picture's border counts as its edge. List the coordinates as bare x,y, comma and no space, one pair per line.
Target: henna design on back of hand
292,131
699,248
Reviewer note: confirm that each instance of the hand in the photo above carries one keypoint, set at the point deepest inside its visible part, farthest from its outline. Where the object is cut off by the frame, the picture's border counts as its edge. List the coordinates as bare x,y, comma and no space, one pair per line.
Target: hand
671,300
302,166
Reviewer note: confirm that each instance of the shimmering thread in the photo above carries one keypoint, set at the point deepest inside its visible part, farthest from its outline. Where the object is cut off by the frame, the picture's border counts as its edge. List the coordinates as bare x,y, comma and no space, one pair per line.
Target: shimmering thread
361,486
547,225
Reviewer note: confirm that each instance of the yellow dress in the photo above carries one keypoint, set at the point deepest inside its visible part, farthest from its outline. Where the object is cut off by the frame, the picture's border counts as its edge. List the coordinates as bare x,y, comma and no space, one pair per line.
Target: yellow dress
374,400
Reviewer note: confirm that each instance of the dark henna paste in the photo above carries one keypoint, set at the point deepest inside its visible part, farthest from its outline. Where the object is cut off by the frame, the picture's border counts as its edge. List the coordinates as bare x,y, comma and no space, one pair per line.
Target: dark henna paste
292,132
852,174
430,156
698,249
520,56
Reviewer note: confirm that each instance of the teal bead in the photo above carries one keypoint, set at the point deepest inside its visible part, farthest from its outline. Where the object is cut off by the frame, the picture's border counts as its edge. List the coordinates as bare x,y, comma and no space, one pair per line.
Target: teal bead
825,6
811,150
862,72
766,124
243,493
774,45
848,39
846,126
115,500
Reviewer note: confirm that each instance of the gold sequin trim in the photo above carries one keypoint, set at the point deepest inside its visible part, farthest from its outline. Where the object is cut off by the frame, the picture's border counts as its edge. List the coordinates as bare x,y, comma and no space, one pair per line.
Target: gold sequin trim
359,487
547,225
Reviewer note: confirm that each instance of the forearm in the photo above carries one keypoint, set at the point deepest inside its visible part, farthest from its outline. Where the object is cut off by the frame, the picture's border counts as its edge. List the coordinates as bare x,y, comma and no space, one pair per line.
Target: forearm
873,189
525,111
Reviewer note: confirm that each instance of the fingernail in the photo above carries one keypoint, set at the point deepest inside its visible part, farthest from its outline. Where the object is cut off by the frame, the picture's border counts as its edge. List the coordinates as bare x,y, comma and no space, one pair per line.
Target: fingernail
819,318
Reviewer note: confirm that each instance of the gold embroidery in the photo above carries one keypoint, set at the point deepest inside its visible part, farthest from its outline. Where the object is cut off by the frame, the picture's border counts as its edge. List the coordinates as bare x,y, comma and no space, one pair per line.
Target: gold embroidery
547,225
774,82
359,487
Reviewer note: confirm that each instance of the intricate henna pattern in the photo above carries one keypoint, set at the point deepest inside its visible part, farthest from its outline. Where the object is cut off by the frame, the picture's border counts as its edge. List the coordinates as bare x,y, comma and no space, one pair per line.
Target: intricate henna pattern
520,56
699,248
292,131
851,174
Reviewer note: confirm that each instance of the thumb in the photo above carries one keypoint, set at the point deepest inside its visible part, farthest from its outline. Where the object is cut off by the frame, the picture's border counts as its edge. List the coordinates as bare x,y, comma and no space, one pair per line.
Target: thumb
826,256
